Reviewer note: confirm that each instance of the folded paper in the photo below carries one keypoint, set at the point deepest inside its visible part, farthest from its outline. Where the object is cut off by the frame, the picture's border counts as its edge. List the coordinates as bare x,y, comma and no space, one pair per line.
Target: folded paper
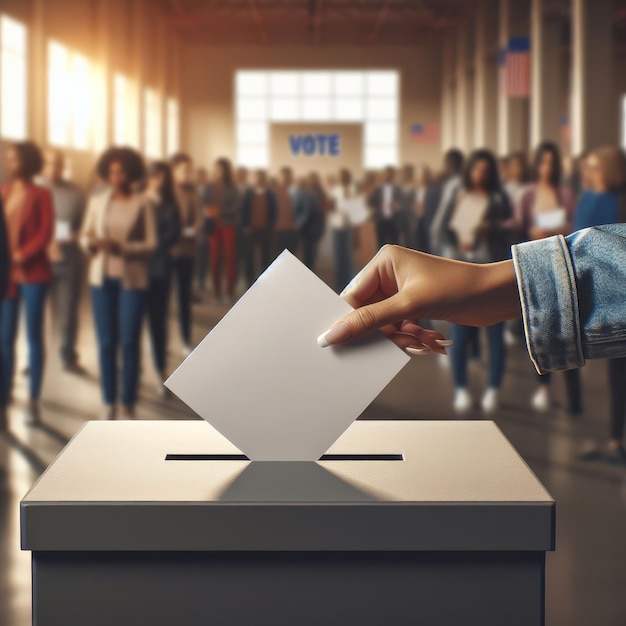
261,379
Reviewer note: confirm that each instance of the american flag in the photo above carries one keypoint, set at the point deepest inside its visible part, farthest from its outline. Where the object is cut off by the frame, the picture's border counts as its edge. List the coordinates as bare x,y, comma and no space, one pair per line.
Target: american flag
425,133
518,67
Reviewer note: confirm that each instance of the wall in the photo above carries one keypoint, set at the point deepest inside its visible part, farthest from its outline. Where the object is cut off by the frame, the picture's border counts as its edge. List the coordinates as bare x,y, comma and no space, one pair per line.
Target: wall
207,78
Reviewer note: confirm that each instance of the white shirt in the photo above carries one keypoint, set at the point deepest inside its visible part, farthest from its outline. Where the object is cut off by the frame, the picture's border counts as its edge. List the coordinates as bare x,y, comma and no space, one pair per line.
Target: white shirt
387,200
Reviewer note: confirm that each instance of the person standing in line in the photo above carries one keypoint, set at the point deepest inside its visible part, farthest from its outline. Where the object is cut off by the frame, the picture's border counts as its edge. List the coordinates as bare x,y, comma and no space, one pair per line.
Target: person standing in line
286,236
201,264
385,201
258,217
119,234
161,195
546,208
222,202
605,203
184,252
30,226
313,230
68,261
423,184
5,266
339,222
405,215
304,209
518,176
476,232
453,162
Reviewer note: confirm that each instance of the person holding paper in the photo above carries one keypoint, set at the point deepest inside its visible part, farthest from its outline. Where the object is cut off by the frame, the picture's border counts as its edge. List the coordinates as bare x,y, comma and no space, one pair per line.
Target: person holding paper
546,208
339,222
119,234
184,252
605,203
30,227
161,195
68,261
474,231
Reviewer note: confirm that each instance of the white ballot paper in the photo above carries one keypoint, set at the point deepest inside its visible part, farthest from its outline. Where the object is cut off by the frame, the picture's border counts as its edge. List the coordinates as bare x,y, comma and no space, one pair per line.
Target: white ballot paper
551,220
261,379
356,210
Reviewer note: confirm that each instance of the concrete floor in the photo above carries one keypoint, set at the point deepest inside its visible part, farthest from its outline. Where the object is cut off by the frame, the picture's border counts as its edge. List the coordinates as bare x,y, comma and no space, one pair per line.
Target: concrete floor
586,576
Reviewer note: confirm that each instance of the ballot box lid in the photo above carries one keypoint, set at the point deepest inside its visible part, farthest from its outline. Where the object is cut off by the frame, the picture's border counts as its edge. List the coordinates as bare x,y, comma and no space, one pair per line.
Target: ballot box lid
383,486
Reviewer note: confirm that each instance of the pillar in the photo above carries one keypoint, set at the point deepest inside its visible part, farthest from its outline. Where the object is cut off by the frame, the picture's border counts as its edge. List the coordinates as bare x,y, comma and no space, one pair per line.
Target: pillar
486,74
139,71
447,95
593,115
103,100
463,119
513,113
38,115
547,74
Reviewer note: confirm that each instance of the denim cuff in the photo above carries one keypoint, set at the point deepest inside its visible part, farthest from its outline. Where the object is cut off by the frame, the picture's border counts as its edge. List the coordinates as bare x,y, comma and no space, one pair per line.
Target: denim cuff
549,298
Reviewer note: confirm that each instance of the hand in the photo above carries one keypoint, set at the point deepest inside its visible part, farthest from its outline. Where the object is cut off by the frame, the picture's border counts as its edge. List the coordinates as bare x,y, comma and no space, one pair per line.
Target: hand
400,286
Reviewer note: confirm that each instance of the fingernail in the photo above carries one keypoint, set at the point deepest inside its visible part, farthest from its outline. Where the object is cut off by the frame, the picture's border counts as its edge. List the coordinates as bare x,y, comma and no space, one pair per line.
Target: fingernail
351,285
336,334
444,343
419,351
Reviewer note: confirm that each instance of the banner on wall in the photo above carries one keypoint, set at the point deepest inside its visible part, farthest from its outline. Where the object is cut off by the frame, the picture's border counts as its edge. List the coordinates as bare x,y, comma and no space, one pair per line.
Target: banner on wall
314,145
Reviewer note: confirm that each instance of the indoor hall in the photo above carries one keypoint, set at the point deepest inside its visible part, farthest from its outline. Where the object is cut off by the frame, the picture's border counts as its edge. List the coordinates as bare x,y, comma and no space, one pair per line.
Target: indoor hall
159,155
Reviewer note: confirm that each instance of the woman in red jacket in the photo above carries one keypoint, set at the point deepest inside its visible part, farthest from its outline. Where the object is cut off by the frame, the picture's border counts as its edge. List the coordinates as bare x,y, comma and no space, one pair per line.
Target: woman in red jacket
29,217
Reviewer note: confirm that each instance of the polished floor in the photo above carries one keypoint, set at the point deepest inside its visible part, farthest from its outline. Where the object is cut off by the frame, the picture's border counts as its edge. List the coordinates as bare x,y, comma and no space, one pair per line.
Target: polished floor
586,578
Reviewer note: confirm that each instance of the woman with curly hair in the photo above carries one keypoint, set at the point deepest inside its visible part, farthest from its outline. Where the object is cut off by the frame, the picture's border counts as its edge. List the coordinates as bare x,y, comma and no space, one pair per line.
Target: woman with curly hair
30,217
119,234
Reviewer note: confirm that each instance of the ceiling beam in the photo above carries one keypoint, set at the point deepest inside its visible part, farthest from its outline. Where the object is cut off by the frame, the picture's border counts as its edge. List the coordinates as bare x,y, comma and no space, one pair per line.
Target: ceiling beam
256,16
380,20
317,19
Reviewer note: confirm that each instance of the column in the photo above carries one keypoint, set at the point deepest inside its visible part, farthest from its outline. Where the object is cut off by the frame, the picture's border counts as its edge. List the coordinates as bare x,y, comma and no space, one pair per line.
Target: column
546,75
462,108
38,113
447,95
513,113
486,74
103,100
593,118
138,54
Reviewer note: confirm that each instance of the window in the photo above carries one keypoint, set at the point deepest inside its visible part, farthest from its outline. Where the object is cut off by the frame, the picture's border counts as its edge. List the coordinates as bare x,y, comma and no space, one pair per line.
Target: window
70,97
153,141
370,97
125,112
173,126
13,109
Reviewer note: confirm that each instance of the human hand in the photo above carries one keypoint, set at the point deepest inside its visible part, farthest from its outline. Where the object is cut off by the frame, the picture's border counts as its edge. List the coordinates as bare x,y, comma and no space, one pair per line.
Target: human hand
400,286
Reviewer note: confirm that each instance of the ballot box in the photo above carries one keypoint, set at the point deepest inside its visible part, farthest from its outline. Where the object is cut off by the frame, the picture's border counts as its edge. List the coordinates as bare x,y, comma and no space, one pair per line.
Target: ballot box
434,523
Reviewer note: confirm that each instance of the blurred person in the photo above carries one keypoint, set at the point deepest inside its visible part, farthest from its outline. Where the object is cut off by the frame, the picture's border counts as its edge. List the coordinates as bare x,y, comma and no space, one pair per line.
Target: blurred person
201,264
202,180
5,268
314,229
503,169
339,222
546,198
518,176
605,203
223,203
68,261
286,231
185,250
258,217
405,216
424,182
29,216
432,199
331,181
119,234
453,162
474,227
161,194
385,200
241,179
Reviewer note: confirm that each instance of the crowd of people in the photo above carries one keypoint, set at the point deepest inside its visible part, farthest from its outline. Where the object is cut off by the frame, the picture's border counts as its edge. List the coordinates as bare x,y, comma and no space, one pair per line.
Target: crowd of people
144,231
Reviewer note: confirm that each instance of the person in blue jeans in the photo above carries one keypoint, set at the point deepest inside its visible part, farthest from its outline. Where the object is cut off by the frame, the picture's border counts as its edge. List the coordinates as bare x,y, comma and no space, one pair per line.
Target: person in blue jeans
570,291
474,230
119,233
29,216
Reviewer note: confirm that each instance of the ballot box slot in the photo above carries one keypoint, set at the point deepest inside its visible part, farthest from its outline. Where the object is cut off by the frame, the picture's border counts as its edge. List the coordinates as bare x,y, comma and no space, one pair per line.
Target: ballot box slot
325,457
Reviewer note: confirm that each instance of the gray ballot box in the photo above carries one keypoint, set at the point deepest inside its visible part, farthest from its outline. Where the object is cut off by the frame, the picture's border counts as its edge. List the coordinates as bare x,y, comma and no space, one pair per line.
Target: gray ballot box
433,523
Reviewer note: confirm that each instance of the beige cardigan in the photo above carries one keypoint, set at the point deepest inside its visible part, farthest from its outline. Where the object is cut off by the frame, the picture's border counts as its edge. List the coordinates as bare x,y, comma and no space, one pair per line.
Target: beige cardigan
140,241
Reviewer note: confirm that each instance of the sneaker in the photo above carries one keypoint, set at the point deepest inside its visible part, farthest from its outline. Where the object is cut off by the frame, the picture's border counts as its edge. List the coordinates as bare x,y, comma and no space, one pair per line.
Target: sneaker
615,456
75,368
32,413
462,400
491,400
541,400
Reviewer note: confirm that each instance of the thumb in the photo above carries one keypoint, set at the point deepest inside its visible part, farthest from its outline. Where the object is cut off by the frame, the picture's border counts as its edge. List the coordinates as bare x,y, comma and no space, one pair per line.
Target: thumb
364,320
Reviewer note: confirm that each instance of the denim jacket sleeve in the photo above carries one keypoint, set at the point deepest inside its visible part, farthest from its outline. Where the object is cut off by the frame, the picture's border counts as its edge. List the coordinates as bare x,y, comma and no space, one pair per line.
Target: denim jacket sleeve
573,295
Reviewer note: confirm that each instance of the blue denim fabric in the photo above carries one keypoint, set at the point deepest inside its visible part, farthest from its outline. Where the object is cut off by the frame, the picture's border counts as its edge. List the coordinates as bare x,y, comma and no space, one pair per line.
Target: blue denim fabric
34,297
573,295
118,315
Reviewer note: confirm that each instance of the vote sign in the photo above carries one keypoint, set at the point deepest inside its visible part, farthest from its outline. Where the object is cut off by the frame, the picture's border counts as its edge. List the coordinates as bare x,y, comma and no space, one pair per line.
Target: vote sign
320,144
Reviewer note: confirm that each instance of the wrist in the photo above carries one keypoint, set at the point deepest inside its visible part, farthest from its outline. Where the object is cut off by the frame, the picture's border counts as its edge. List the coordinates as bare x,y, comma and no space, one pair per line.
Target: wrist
498,289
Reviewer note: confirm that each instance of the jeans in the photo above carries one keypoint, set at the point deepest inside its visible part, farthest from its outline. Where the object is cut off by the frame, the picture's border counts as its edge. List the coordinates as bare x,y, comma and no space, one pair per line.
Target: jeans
158,303
118,315
183,267
574,389
34,297
223,248
617,384
342,251
257,241
461,335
